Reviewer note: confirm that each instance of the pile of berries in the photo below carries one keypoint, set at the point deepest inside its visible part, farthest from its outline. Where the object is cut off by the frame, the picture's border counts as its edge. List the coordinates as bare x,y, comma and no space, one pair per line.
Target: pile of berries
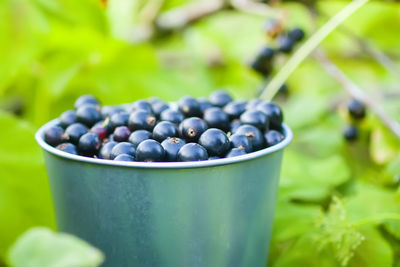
154,131
356,111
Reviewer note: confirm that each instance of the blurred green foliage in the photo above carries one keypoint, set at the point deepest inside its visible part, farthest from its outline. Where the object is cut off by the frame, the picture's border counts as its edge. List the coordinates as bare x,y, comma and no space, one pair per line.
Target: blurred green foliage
339,203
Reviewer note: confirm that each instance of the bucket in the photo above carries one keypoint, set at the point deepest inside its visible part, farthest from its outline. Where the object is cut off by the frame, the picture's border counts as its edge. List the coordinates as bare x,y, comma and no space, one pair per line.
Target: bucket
216,213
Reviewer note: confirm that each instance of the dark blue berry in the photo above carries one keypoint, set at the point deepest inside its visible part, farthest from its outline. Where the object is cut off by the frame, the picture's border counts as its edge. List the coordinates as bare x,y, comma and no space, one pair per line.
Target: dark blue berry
54,135
105,150
150,151
273,112
141,105
216,118
88,115
108,111
235,124
122,148
190,129
215,141
263,62
100,131
283,90
86,99
241,141
121,134
286,43
67,118
235,109
119,119
189,106
104,124
220,98
234,152
74,132
254,134
356,109
139,136
163,130
141,120
172,116
252,104
124,157
192,152
351,133
273,137
256,118
171,147
68,147
296,34
158,107
204,103
89,144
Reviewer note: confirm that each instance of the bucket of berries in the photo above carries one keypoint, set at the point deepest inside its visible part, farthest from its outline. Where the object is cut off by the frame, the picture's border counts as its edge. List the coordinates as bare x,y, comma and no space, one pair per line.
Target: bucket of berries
151,183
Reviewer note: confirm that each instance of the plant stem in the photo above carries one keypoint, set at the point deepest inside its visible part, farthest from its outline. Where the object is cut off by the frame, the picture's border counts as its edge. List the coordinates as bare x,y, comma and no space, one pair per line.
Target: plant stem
272,88
377,219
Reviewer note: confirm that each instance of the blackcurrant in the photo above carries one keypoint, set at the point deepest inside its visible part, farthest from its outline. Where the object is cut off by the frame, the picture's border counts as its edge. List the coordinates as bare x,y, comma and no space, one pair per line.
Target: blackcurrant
273,112
351,133
220,98
86,99
256,118
356,109
88,115
234,152
141,120
235,124
121,134
119,119
139,136
254,134
163,130
189,106
286,43
273,137
252,104
158,107
235,109
89,144
296,34
108,111
171,147
74,132
54,135
149,151
141,105
192,152
190,129
172,116
68,147
67,118
124,157
216,118
241,141
122,148
215,142
100,131
105,150
204,103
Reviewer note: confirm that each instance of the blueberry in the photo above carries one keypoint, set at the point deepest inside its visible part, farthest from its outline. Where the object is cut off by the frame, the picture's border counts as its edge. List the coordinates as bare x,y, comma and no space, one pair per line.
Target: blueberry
351,133
86,99
67,118
235,124
235,109
252,104
215,142
234,152
204,103
216,118
149,151
273,137
89,144
286,43
141,120
220,98
88,115
273,112
75,131
159,107
105,150
241,141
172,116
122,148
108,111
139,136
119,119
141,105
100,131
263,67
121,134
296,34
356,109
191,128
189,106
163,130
171,147
124,157
256,118
254,134
68,147
192,152
54,135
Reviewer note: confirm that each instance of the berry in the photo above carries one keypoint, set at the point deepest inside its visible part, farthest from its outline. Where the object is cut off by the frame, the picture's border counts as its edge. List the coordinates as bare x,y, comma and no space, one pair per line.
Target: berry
68,147
139,136
89,144
296,34
241,141
67,118
356,109
189,106
149,151
234,152
235,124
153,100
283,90
119,119
158,107
172,116
252,104
86,99
220,98
104,124
54,135
215,142
141,105
121,134
204,103
108,111
235,109
262,67
192,152
256,118
191,128
286,43
273,112
124,157
122,148
163,130
100,131
216,118
350,133
273,137
141,120
171,147
74,132
105,150
254,134
88,115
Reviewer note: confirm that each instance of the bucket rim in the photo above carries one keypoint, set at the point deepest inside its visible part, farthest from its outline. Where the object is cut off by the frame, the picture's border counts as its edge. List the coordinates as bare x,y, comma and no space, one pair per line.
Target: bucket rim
161,165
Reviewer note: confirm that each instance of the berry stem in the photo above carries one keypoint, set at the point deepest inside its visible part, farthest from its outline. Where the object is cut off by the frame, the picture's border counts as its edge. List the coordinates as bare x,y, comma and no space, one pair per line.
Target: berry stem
305,50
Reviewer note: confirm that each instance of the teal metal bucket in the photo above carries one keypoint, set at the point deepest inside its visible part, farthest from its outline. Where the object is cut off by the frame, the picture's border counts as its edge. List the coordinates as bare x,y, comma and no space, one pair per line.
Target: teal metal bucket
216,213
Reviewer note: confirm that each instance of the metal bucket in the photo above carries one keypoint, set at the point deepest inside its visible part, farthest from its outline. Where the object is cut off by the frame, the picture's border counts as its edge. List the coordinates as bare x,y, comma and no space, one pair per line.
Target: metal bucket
216,213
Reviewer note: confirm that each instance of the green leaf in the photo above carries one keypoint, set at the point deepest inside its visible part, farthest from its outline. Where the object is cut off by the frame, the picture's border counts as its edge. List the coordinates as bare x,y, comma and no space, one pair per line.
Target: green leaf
41,247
